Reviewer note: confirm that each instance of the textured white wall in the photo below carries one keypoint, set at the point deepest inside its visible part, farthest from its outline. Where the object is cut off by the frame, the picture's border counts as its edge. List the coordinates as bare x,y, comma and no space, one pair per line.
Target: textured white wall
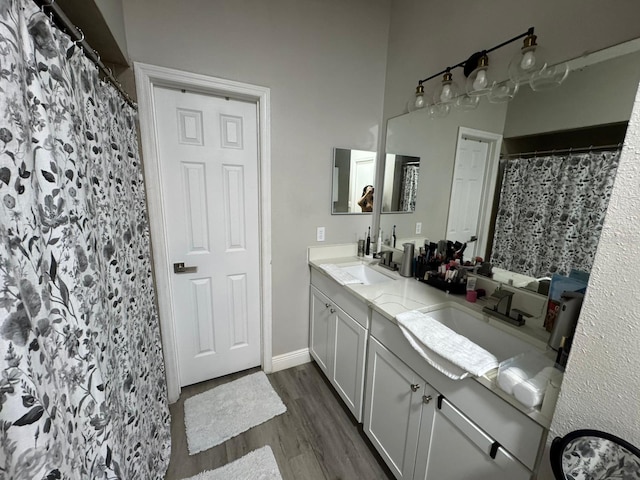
601,388
325,64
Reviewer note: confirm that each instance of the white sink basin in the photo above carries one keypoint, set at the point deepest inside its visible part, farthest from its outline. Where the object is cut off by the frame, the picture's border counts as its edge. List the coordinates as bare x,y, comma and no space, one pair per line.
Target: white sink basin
366,275
492,339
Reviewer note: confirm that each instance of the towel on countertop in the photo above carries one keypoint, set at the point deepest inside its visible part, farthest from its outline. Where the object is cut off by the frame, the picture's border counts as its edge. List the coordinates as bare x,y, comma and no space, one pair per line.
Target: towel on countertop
448,352
339,275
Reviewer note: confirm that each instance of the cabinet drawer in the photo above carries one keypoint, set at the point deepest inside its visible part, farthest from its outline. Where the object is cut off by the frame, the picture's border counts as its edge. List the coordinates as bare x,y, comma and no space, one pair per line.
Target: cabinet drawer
340,297
461,449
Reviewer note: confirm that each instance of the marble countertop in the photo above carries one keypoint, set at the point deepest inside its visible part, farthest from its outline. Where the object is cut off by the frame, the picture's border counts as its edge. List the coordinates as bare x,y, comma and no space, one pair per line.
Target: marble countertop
402,294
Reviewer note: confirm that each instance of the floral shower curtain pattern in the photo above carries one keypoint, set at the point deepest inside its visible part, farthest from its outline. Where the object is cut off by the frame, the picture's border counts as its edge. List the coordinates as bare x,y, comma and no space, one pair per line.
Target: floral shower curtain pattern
82,386
409,188
551,212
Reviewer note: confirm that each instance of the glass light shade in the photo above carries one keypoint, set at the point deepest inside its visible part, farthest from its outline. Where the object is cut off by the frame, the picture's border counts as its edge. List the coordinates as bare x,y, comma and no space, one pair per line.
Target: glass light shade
447,91
438,110
549,77
467,102
418,101
478,82
502,92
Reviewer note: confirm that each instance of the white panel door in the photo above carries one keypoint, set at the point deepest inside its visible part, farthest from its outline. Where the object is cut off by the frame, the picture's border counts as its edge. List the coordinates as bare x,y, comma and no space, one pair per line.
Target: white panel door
467,192
209,166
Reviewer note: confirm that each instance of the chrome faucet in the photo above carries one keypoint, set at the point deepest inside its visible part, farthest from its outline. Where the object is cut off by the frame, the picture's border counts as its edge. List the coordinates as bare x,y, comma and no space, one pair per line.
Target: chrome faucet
386,260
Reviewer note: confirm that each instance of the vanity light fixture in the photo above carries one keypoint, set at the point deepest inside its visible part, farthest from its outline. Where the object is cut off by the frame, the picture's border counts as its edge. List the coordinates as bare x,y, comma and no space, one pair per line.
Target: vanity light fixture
527,65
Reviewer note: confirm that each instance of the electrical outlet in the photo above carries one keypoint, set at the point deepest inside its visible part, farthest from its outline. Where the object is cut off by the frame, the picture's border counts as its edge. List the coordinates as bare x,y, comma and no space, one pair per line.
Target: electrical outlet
418,228
320,234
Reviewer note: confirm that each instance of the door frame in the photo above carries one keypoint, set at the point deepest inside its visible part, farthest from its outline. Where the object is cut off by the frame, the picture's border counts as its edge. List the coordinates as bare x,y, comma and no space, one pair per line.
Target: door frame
494,141
147,77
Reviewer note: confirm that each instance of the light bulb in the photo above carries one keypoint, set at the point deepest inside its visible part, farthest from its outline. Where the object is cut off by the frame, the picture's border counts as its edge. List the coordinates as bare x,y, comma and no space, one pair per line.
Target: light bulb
447,91
445,96
478,83
528,60
417,101
481,80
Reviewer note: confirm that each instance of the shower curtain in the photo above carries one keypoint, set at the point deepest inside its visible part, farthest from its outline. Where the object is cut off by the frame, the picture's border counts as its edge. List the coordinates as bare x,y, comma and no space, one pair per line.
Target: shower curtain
82,385
409,188
551,212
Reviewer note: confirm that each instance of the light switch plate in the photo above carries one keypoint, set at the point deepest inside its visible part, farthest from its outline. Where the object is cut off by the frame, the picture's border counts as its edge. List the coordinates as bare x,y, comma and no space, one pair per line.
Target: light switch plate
418,228
320,234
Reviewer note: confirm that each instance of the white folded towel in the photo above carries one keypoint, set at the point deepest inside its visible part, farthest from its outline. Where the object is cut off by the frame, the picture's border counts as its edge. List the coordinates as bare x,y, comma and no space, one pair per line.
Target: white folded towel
339,275
448,352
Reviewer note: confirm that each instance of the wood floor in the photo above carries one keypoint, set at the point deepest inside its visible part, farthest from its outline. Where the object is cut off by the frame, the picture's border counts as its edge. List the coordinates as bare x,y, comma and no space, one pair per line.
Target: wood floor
315,439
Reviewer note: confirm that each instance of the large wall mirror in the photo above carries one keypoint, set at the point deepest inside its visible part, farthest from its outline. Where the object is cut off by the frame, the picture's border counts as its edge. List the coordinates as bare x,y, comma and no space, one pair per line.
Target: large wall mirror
353,180
591,109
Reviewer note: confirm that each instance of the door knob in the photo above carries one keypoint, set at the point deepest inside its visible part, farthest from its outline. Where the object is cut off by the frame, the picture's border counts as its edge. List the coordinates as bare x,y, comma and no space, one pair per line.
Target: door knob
180,268
426,398
415,387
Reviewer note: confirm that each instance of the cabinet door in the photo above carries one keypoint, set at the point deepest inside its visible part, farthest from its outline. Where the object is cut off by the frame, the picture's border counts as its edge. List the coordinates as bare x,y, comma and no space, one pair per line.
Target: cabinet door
320,344
460,449
347,375
392,409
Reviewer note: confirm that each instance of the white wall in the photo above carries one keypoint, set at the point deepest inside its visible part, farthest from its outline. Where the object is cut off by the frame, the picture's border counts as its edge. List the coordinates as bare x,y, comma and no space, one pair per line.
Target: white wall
325,64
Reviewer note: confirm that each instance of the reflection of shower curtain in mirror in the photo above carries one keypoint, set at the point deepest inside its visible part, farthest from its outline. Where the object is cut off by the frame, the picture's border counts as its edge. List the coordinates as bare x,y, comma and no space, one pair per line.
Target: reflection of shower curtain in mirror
82,385
409,188
551,212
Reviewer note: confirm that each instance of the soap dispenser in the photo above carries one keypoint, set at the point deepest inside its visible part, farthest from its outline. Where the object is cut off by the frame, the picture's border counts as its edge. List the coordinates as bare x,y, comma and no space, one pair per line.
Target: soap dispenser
407,260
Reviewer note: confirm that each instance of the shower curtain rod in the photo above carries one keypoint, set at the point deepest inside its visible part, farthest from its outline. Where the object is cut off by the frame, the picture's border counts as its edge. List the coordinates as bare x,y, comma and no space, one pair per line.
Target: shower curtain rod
77,36
562,150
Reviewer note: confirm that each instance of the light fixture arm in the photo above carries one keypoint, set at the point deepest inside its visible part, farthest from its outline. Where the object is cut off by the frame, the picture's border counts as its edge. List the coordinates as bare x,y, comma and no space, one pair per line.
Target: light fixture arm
530,31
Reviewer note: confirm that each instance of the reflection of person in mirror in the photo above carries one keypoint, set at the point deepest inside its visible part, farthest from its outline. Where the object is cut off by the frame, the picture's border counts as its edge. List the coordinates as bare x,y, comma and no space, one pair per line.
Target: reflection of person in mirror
366,201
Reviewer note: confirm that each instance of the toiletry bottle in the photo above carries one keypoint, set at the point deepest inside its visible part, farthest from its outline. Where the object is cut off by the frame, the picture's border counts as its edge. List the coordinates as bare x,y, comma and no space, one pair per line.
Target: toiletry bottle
379,243
367,248
393,237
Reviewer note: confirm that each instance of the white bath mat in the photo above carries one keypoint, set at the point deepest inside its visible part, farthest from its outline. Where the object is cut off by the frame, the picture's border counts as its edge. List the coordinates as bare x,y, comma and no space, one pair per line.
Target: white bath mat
257,465
223,412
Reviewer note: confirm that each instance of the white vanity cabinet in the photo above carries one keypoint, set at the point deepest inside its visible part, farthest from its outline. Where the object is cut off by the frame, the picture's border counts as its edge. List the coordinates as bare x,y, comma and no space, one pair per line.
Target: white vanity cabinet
338,336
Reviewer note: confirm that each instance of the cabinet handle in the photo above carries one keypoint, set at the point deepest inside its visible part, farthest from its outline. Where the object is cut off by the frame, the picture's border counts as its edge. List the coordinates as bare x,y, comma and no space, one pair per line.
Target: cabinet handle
415,387
426,398
327,305
333,310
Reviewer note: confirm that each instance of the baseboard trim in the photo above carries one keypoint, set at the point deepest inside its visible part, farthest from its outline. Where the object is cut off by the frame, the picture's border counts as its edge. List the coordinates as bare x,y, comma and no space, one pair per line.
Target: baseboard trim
290,359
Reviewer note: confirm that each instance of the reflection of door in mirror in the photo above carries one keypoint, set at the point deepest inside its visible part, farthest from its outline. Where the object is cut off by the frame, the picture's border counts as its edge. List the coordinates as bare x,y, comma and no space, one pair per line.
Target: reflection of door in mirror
473,188
352,171
400,187
466,191
362,172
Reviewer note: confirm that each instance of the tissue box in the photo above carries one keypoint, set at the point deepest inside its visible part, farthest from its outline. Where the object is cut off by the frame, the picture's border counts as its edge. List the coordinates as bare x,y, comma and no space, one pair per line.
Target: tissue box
526,377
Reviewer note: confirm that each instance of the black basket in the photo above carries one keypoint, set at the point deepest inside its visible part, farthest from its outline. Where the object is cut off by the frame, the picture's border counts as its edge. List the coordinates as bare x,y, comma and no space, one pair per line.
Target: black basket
441,284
